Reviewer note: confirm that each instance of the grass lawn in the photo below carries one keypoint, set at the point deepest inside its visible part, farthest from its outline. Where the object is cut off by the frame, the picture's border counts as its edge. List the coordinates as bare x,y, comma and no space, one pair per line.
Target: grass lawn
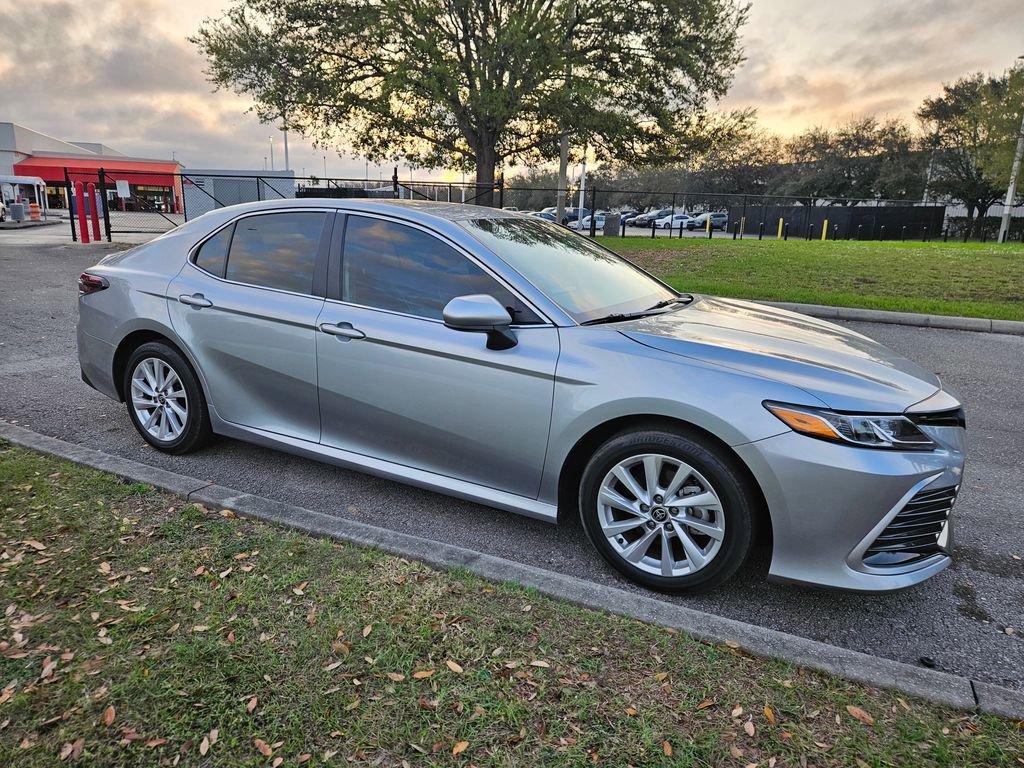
142,631
971,279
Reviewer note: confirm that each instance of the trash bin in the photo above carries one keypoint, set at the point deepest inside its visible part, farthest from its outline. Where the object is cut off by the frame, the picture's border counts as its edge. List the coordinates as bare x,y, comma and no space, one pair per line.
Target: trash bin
17,211
612,225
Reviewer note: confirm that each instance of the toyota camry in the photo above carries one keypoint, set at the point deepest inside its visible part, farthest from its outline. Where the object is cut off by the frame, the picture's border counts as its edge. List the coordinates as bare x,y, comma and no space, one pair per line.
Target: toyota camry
503,359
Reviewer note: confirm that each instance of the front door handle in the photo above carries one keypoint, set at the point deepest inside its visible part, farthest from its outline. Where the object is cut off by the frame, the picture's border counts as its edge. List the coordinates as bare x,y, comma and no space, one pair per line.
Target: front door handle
196,300
342,330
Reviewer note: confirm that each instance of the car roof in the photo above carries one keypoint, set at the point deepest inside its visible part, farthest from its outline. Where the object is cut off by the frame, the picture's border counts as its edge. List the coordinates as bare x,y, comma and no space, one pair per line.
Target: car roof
410,209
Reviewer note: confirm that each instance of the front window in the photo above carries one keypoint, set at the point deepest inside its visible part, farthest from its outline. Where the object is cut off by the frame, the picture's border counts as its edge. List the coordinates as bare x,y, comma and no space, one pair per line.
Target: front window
585,280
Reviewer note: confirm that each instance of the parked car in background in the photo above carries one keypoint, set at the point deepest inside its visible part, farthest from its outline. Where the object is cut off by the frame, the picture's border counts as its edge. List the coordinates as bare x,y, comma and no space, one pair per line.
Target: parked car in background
583,225
545,214
719,220
574,214
508,361
674,221
645,219
3,211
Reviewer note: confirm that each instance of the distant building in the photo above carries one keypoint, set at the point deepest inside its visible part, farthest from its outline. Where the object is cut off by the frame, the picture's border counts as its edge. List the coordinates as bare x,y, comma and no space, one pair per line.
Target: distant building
154,184
207,189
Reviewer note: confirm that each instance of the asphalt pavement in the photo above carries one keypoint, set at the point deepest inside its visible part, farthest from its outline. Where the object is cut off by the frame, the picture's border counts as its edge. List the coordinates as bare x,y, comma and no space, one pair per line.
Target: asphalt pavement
968,620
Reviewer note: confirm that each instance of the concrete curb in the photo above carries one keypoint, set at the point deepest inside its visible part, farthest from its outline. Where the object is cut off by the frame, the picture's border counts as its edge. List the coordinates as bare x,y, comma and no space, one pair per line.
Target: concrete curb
938,687
947,322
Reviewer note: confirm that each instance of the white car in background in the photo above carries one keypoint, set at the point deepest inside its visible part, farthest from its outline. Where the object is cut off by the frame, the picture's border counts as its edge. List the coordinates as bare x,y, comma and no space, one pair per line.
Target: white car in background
673,221
3,211
583,225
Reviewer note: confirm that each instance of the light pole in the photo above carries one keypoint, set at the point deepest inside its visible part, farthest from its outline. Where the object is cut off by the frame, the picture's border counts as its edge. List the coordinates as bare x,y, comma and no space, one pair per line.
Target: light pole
1011,190
271,138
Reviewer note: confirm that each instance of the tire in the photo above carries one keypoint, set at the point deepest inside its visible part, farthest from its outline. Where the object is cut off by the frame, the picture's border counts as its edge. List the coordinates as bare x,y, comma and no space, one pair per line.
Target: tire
168,432
727,530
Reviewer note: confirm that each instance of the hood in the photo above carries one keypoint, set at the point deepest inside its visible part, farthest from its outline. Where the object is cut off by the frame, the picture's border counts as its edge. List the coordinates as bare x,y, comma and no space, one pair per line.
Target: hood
843,369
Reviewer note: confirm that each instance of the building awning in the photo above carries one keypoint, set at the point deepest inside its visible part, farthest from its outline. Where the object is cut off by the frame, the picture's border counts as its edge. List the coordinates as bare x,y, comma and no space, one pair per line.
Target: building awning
158,173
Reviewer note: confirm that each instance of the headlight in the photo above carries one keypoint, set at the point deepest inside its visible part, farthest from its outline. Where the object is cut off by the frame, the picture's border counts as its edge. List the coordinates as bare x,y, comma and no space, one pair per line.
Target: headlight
870,430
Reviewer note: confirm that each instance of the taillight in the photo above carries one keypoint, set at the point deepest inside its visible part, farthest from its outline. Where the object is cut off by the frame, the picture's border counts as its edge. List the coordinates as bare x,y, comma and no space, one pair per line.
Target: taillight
91,283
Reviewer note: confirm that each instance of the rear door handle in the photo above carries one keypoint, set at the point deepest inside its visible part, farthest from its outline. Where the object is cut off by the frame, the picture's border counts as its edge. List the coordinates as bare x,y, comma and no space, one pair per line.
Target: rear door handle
342,330
196,300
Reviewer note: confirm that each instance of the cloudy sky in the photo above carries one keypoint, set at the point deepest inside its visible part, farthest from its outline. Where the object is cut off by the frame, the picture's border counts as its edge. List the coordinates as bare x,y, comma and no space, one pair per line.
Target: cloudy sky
122,72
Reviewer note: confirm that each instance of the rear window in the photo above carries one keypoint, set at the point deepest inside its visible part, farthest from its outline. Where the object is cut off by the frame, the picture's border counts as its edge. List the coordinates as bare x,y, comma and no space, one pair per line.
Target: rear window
276,250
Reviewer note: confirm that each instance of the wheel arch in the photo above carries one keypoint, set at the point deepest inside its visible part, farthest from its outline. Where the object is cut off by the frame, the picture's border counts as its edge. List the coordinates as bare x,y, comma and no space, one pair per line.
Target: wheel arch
143,335
576,460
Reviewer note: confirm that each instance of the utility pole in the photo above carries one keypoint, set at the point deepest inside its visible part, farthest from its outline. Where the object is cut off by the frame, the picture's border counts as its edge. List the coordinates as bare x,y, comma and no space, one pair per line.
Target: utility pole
563,151
1011,190
271,152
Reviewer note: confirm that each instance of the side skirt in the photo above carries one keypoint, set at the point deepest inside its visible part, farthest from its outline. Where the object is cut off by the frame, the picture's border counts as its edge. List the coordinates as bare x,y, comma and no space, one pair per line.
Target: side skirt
431,481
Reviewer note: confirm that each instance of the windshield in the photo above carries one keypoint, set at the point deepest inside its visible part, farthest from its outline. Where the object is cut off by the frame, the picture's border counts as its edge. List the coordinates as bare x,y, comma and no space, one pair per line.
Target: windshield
585,280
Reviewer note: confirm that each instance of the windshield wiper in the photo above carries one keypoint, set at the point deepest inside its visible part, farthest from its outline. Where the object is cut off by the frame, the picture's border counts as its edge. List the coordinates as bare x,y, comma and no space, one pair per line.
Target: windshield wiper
617,317
685,299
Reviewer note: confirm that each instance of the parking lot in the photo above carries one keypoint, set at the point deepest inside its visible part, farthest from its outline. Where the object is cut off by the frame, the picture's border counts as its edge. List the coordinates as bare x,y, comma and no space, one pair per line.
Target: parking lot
968,620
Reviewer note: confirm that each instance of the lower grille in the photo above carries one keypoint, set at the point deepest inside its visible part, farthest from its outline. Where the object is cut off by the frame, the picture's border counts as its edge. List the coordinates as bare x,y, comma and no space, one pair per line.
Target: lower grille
913,534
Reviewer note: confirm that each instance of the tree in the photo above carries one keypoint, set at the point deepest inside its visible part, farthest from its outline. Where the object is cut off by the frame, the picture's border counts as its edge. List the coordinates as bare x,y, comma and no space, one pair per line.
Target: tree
962,140
863,159
473,84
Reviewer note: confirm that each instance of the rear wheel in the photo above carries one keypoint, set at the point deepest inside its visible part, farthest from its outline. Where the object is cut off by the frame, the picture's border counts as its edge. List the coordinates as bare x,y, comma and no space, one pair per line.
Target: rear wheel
667,510
165,401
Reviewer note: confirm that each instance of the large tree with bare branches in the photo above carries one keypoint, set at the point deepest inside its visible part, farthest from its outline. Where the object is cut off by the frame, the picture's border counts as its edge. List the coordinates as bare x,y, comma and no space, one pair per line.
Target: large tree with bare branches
473,84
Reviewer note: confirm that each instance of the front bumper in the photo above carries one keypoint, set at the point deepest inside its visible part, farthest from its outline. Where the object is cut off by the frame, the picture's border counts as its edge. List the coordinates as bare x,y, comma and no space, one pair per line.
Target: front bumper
829,503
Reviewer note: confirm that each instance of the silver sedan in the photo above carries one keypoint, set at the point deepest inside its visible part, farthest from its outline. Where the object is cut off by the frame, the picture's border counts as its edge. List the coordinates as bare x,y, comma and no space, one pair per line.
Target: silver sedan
503,359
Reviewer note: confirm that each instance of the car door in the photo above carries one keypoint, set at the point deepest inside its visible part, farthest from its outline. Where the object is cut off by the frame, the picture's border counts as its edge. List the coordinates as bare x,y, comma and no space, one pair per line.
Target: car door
397,384
246,306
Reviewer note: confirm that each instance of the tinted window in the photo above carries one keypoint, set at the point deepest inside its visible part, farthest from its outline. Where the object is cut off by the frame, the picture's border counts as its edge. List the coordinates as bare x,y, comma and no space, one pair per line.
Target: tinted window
213,254
277,250
584,279
392,266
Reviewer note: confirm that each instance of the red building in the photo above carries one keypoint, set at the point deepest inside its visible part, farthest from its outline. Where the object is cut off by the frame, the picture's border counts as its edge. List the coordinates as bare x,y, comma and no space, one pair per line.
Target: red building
154,184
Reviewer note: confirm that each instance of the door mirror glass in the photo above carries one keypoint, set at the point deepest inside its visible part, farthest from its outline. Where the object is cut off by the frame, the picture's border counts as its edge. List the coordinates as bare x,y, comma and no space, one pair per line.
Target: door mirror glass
481,312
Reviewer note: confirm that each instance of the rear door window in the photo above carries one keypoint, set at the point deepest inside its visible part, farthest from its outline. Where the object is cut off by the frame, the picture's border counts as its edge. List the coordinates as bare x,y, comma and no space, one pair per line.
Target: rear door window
276,250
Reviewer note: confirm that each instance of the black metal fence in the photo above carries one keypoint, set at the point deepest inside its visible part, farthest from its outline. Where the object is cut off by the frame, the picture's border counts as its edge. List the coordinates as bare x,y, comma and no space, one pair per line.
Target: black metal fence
132,203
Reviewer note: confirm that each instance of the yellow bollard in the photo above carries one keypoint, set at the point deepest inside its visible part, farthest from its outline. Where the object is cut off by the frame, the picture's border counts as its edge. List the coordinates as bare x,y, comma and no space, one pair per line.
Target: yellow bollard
778,235
743,226
824,231
707,226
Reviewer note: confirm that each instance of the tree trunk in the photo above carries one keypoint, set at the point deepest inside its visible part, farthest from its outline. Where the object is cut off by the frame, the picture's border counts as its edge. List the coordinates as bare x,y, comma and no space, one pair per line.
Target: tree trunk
485,165
970,219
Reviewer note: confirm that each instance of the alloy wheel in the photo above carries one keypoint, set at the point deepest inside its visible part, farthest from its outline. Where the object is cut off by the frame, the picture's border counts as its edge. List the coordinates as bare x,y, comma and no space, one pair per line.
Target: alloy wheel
661,515
158,399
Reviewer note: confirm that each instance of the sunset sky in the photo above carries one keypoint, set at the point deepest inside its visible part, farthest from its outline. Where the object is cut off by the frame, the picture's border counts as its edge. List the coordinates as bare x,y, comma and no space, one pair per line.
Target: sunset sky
121,71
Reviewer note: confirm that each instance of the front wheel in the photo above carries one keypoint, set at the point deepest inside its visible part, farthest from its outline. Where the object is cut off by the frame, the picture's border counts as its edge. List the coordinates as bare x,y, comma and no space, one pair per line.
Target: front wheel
165,400
667,510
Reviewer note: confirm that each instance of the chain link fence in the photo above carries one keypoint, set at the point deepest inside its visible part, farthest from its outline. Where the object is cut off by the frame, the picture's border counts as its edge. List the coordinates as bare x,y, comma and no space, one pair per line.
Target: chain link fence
130,203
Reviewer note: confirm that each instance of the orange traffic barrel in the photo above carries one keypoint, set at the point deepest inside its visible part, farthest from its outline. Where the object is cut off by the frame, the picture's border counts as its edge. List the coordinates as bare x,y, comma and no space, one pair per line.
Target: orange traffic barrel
33,211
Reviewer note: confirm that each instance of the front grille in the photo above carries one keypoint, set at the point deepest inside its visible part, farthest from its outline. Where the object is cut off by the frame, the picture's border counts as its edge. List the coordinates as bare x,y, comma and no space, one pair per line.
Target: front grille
913,534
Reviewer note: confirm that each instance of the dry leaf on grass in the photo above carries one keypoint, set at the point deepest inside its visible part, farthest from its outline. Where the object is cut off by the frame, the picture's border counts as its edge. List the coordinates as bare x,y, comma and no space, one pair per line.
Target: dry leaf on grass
860,714
769,715
252,704
454,667
459,748
666,748
108,715
263,747
422,674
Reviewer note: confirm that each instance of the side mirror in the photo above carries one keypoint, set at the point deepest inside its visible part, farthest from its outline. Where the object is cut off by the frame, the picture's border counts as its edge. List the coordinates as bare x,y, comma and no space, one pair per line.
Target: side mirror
481,313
